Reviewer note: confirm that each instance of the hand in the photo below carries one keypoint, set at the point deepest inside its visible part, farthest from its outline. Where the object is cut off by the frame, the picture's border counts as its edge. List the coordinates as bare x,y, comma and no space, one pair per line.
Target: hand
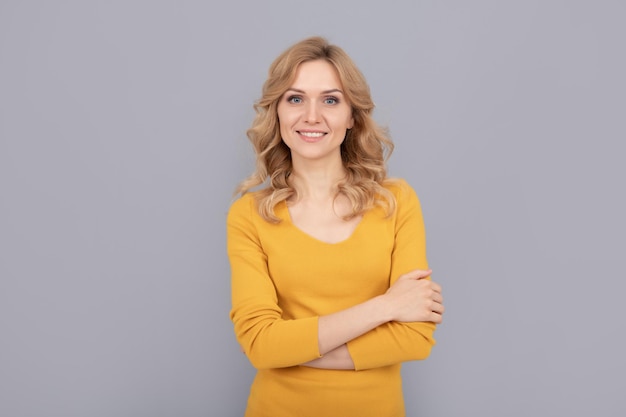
414,298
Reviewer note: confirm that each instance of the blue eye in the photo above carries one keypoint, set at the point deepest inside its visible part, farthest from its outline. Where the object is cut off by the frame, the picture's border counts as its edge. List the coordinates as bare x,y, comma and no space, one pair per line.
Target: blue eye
294,99
331,100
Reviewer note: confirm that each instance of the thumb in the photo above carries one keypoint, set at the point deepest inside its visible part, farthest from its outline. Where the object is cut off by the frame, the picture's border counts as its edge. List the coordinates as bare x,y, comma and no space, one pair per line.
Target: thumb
419,274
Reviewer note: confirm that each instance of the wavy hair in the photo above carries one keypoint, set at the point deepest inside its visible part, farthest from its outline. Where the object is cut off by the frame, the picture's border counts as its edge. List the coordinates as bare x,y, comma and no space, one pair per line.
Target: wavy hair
364,151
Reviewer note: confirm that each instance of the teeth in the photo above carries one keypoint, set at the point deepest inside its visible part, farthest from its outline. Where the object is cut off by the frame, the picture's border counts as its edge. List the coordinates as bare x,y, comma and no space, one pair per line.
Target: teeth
312,134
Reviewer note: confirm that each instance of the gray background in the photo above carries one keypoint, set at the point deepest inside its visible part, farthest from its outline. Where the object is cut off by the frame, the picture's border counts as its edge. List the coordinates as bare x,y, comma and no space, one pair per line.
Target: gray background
122,136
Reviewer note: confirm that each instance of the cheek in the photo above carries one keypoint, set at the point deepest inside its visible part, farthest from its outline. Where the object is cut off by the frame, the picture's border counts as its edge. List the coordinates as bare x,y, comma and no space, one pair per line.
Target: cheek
347,117
345,121
281,119
283,124
286,118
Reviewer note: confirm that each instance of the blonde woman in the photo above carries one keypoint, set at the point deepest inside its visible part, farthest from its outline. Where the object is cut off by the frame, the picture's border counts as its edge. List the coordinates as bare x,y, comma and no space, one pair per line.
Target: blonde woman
331,289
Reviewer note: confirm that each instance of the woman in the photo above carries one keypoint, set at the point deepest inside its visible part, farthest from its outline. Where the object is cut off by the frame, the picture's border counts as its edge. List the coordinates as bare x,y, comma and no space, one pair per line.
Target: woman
330,283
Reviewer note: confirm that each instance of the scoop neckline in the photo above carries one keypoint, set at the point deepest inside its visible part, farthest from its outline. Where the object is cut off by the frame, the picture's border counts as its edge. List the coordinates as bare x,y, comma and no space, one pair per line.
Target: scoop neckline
287,217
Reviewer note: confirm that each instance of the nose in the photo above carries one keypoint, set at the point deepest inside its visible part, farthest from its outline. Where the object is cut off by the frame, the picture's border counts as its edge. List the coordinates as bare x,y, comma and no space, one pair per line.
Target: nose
312,113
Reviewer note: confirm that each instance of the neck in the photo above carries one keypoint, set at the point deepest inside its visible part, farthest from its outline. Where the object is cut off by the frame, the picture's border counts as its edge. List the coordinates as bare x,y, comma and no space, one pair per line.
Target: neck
316,182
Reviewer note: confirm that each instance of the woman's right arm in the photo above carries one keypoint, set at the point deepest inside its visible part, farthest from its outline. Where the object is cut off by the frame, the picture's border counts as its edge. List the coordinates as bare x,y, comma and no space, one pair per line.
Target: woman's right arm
268,340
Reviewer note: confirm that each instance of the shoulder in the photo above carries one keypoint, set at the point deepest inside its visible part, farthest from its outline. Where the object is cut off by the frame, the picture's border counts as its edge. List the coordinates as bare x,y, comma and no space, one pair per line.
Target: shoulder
400,189
243,202
242,207
407,202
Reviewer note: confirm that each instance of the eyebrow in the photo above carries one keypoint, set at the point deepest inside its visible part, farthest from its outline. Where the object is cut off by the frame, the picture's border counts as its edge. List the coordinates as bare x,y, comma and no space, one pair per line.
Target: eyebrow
334,90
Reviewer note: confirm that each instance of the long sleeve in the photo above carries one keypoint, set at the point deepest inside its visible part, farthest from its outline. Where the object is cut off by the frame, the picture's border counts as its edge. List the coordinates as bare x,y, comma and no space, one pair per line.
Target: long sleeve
396,342
268,340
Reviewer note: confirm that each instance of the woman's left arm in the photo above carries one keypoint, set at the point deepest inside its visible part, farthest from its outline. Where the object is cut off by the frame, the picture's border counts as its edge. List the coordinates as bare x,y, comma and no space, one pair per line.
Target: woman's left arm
395,342
392,342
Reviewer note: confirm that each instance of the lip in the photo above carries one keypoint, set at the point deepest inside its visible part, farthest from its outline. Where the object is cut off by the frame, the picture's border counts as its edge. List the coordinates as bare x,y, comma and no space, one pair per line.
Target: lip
311,139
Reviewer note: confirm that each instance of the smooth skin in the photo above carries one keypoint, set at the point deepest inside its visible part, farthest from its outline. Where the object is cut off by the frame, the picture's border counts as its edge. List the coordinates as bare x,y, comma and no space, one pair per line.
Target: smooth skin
314,117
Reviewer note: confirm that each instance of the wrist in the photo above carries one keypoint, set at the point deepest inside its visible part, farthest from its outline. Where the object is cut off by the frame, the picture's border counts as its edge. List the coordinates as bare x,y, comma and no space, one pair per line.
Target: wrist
385,306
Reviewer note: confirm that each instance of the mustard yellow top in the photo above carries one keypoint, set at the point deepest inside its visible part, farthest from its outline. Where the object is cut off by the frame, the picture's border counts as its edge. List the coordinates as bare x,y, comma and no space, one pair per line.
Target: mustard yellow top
283,280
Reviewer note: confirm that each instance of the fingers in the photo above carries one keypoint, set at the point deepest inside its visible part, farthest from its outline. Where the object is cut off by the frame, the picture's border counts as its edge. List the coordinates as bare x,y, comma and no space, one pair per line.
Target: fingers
430,285
436,318
422,298
437,308
436,305
417,274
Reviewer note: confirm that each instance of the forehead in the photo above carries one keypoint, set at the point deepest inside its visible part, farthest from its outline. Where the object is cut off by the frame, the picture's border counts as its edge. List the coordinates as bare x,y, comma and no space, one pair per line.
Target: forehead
316,75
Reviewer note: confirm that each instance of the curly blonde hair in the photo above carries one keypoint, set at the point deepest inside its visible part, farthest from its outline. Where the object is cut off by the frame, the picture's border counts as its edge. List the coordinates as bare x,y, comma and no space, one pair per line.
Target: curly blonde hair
364,151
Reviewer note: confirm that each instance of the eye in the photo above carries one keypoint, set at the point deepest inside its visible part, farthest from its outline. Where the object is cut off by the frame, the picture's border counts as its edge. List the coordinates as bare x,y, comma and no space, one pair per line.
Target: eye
331,100
294,99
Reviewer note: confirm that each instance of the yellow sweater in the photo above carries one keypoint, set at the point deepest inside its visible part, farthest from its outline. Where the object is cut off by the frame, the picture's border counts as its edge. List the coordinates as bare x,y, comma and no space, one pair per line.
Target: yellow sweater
283,280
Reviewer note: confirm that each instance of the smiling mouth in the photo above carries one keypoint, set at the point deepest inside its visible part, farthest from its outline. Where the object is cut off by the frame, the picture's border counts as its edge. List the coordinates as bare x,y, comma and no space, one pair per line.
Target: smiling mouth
312,135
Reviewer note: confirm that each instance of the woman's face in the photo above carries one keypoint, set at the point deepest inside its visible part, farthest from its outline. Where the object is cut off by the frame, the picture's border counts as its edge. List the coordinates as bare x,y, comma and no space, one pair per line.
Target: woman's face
314,114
